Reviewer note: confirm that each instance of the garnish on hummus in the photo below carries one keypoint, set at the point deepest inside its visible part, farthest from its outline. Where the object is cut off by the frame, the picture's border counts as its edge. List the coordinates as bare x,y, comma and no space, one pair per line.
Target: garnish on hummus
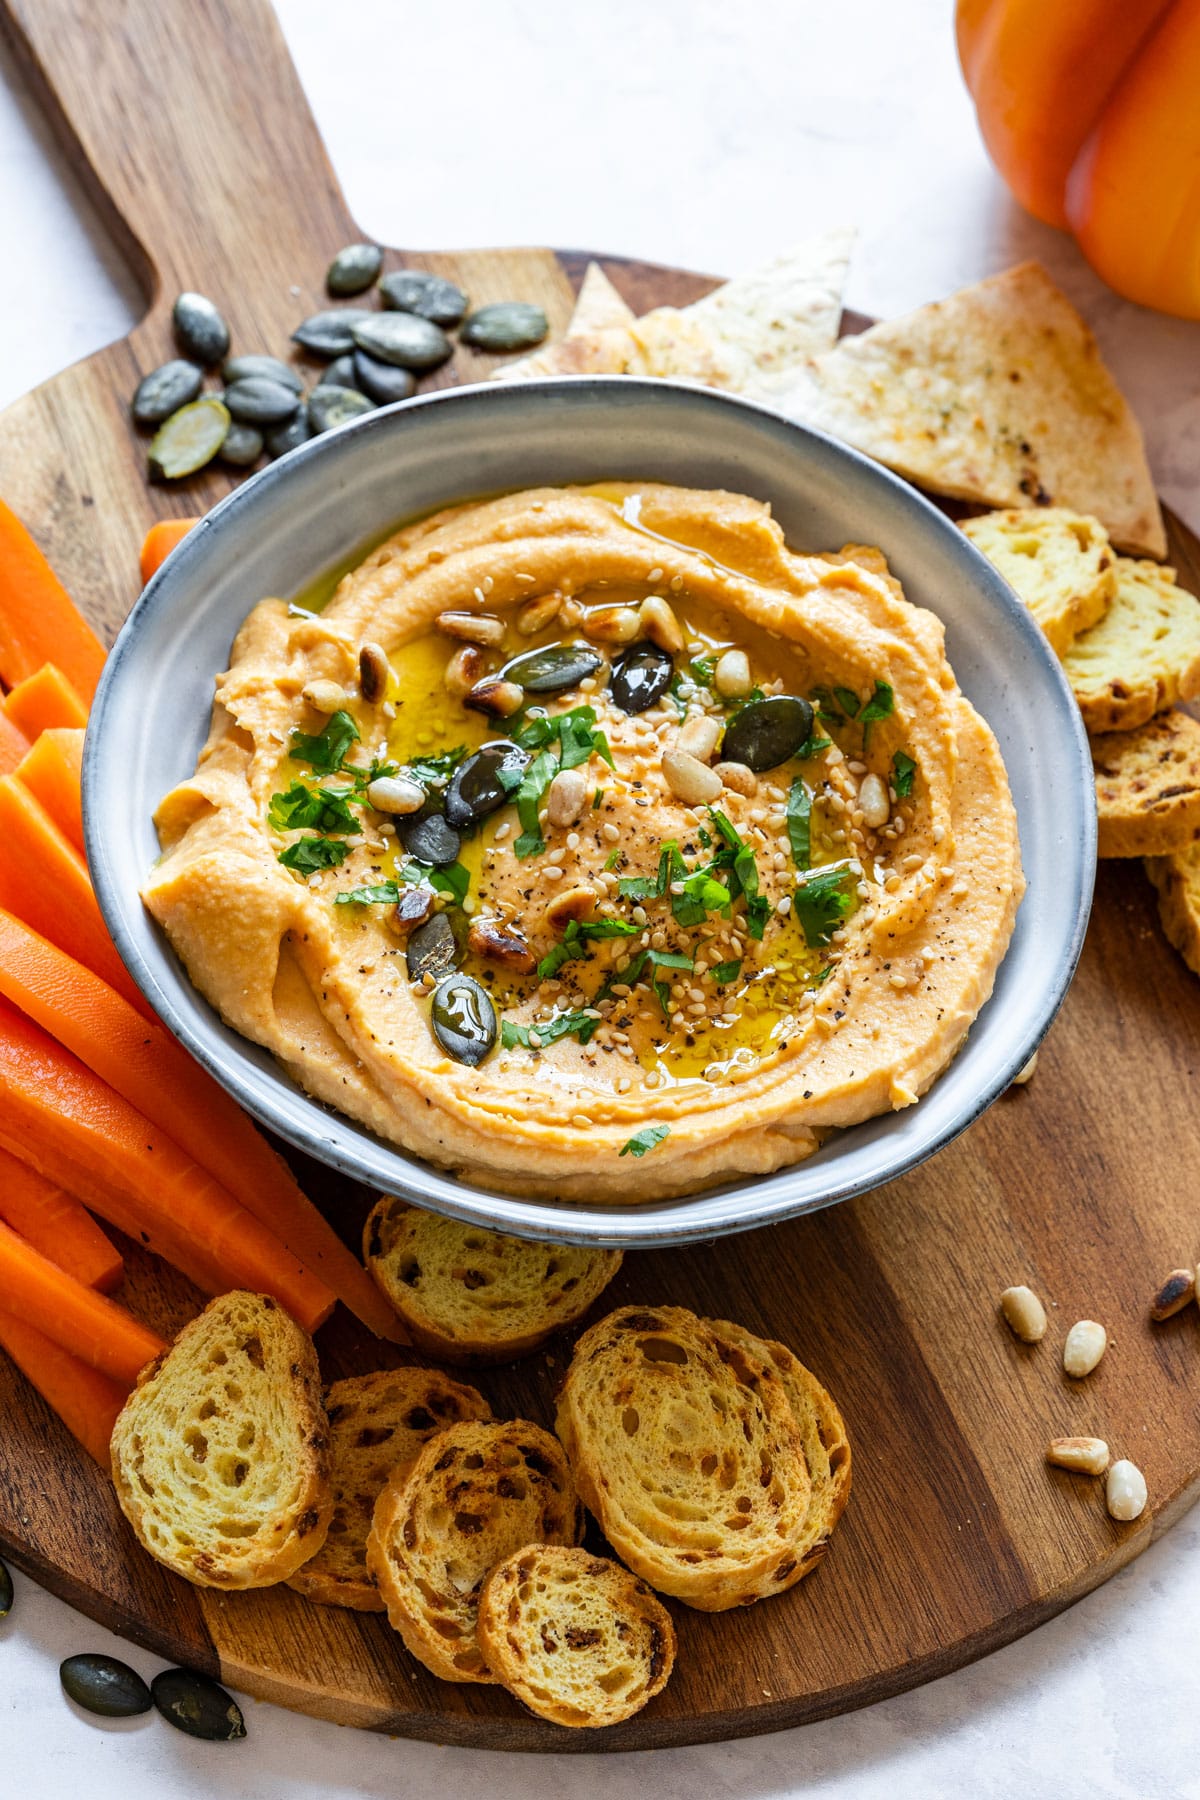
585,823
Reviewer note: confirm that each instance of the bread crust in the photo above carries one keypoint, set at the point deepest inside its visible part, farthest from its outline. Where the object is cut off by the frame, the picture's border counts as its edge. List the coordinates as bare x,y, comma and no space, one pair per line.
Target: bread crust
475,1493
1148,787
378,1423
472,1296
1177,879
577,1638
220,1456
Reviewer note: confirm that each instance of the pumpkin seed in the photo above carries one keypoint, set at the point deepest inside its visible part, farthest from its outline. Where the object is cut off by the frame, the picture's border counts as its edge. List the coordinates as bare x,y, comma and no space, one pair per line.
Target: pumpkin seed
354,269
429,296
194,1704
200,331
339,373
164,390
383,381
412,909
6,1592
330,334
431,948
102,1685
287,437
189,439
403,339
553,668
507,325
476,788
257,401
641,677
269,368
463,1019
329,407
429,838
767,732
242,447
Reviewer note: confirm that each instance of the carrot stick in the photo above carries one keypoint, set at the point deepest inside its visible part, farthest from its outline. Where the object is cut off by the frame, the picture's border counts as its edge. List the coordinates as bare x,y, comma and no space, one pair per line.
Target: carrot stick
52,770
57,1225
13,745
38,619
159,542
146,1065
59,1116
44,880
93,1328
86,1401
43,700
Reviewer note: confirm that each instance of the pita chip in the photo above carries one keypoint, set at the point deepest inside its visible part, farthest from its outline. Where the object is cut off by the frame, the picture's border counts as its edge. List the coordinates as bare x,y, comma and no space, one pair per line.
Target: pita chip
998,395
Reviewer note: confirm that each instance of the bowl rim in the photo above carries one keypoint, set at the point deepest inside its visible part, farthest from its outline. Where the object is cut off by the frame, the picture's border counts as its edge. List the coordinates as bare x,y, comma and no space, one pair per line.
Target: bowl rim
644,1225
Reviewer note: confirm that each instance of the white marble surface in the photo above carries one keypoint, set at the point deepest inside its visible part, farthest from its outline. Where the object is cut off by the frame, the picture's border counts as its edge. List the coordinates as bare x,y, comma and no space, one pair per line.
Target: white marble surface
707,134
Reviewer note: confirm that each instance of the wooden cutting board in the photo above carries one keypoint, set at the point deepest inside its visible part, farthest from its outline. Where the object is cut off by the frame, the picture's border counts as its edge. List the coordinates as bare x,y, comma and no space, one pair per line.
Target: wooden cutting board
191,131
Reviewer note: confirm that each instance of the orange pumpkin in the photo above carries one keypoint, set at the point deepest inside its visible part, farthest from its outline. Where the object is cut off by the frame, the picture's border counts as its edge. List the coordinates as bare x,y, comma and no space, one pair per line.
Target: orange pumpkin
1090,109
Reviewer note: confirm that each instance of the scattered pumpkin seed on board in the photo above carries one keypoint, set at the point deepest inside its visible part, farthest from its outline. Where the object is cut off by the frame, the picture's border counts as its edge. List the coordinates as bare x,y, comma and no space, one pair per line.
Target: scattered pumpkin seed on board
105,1686
164,390
257,401
505,325
329,407
353,270
189,439
242,447
194,1704
384,382
200,330
429,296
339,373
331,333
270,368
403,339
287,437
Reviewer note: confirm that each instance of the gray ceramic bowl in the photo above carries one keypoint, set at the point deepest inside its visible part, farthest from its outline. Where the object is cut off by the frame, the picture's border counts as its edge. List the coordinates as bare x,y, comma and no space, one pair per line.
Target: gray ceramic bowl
307,513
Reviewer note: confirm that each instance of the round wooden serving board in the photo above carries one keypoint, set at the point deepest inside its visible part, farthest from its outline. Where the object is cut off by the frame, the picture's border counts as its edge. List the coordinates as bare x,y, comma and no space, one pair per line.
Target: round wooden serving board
191,129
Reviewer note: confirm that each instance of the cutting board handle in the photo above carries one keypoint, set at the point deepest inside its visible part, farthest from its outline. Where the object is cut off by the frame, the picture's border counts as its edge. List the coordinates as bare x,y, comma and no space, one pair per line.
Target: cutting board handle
188,125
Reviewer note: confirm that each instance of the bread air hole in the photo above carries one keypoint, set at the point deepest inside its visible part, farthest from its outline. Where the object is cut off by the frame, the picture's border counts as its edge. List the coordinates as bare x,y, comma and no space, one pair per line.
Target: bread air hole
630,1421
662,1350
197,1443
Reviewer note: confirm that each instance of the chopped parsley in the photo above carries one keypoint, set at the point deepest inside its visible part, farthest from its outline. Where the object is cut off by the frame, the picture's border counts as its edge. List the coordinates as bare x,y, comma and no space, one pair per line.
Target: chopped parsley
645,1139
735,855
453,882
842,706
611,860
702,669
654,960
597,798
812,746
799,822
435,771
724,973
562,741
570,1024
881,705
576,938
308,855
327,750
322,809
822,901
903,771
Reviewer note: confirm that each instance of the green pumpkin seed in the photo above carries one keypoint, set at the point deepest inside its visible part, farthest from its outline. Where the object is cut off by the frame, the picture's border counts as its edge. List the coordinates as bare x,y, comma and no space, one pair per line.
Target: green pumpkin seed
403,340
189,439
258,401
339,373
200,331
641,676
463,1019
765,733
6,1592
164,390
102,1685
429,296
247,368
329,407
428,838
354,269
552,669
382,381
287,437
508,325
431,949
242,447
331,334
198,1706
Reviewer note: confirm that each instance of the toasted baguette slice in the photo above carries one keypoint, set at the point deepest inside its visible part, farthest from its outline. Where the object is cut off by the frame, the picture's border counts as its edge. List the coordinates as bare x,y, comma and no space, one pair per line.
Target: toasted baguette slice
826,1445
1148,787
474,1494
577,1638
1177,879
1059,562
1143,656
685,1448
220,1455
472,1296
377,1424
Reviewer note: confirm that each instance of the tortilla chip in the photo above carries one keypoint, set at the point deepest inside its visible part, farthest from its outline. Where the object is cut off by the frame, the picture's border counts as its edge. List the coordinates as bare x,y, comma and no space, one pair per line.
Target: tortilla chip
997,394
599,306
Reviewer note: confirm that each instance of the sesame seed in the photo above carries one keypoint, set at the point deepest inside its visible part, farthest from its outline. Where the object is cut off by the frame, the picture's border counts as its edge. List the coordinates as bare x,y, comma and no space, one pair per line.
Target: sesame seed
478,592
655,575
640,916
552,872
610,834
676,583
857,768
891,884
572,840
912,862
784,906
898,981
581,1121
535,1040
938,833
559,855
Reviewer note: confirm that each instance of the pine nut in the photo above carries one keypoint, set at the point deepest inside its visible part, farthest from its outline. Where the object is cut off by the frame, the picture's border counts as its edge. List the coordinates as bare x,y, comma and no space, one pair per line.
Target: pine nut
1174,1294
565,797
374,673
396,794
576,903
698,736
660,624
874,803
738,777
1083,1456
1125,1491
535,615
465,669
731,677
1024,1314
1085,1345
689,779
498,698
612,624
325,696
475,628
1026,1072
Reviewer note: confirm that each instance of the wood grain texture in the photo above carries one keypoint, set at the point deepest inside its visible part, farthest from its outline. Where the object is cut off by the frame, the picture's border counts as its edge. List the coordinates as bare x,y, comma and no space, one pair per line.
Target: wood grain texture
957,1537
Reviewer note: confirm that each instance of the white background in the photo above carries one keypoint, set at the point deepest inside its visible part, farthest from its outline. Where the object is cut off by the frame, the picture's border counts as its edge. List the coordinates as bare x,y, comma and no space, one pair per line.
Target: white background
708,134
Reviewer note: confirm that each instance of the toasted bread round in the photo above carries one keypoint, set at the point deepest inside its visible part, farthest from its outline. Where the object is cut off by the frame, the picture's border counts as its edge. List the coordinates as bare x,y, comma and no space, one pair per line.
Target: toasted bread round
474,1494
1143,656
473,1296
1148,787
1059,562
826,1445
684,1446
377,1424
220,1455
576,1637
1177,879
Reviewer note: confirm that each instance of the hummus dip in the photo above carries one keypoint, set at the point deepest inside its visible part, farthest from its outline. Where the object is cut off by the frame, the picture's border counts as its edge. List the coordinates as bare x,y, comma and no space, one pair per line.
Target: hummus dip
593,844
